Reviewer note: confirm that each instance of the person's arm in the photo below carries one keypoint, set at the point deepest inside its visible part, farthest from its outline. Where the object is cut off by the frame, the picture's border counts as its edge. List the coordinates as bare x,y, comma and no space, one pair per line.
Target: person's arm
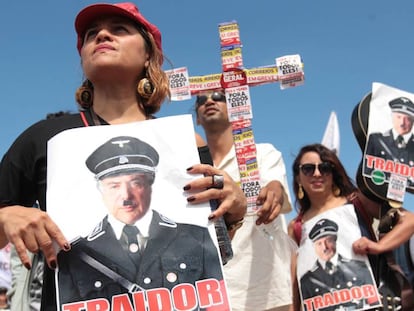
30,229
398,235
274,195
296,304
22,172
231,199
290,230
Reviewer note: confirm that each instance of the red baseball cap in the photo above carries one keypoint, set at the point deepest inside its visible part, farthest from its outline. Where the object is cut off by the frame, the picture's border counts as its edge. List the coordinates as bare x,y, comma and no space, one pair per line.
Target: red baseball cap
127,9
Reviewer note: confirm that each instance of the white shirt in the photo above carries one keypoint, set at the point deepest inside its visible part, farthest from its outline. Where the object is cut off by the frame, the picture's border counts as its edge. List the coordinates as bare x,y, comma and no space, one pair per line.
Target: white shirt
258,276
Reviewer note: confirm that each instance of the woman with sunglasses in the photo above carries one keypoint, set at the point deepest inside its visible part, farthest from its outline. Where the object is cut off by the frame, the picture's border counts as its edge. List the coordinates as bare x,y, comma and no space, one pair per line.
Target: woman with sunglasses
320,181
121,57
320,184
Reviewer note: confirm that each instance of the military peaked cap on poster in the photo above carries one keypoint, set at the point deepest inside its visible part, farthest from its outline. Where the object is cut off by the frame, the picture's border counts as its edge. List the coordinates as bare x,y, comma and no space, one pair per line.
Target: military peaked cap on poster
402,105
323,228
121,155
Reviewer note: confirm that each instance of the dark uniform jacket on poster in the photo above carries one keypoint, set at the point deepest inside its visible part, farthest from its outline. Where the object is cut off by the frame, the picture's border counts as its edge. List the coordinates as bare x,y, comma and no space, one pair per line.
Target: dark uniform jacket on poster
348,273
23,176
383,145
174,253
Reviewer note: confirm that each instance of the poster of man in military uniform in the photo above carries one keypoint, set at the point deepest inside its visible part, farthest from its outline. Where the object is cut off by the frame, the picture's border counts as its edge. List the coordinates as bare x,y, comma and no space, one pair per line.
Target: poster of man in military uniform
390,146
330,275
143,245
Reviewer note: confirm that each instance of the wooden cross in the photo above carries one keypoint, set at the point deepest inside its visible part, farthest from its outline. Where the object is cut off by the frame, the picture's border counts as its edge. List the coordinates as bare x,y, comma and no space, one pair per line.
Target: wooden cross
236,80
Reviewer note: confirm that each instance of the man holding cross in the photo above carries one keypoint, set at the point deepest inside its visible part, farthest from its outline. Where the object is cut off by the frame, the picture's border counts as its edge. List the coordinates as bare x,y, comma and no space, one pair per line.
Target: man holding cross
258,276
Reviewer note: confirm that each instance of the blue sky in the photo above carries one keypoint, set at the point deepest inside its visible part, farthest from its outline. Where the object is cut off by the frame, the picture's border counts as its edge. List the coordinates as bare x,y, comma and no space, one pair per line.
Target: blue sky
345,46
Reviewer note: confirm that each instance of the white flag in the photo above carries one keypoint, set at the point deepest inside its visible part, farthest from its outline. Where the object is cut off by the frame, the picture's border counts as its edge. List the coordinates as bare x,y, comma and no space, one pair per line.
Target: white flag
331,136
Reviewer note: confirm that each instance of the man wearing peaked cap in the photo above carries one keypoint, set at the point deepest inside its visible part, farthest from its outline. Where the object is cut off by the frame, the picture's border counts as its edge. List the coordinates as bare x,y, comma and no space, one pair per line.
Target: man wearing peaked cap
331,271
133,246
397,143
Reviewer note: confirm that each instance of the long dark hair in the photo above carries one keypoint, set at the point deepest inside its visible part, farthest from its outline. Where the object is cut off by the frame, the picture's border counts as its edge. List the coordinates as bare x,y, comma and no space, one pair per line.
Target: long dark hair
339,175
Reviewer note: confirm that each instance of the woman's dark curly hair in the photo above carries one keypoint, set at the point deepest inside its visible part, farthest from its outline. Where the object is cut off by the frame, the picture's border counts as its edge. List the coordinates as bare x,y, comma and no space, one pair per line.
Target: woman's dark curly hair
339,176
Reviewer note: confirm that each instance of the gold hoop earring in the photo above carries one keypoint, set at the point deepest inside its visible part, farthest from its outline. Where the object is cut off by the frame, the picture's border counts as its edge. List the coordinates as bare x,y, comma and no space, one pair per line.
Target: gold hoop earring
336,191
145,88
84,96
301,194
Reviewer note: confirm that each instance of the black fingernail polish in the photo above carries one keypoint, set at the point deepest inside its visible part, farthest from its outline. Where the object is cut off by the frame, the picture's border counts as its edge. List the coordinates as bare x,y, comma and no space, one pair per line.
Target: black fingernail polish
190,168
28,266
211,217
66,246
187,187
190,199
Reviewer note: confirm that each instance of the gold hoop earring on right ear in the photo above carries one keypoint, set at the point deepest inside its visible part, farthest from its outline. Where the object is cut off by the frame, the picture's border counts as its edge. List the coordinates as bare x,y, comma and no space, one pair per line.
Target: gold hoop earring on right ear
301,194
336,191
145,88
84,96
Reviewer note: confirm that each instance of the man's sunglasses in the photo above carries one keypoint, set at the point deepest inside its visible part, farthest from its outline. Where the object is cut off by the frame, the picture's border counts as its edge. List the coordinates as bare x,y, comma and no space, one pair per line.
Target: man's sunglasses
216,96
308,169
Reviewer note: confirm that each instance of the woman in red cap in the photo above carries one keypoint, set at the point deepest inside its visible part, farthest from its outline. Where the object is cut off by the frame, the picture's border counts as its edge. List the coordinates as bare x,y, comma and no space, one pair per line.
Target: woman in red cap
121,56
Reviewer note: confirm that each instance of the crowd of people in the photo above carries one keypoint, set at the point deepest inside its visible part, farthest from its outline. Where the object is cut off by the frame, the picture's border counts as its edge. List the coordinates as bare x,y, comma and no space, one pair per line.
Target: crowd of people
121,56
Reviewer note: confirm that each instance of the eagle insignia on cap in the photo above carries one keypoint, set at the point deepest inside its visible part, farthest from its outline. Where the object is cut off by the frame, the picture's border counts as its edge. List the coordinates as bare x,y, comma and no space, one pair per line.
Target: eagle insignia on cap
321,222
120,143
